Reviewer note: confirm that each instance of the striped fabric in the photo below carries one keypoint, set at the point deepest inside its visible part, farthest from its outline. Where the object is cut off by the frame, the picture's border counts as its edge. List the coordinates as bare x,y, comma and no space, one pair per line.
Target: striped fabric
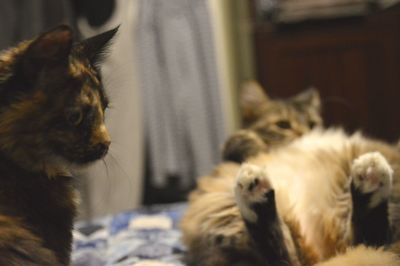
183,118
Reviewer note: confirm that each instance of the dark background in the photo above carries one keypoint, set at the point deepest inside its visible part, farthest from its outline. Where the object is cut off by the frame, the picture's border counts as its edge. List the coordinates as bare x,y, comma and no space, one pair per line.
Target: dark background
354,63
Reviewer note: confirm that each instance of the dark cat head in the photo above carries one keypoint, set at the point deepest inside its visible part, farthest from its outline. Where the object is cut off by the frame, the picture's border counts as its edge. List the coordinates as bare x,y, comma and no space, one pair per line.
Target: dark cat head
278,121
53,102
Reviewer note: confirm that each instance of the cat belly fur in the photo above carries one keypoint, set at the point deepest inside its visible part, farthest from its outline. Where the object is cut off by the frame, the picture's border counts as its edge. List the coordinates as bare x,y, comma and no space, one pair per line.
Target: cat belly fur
311,180
361,256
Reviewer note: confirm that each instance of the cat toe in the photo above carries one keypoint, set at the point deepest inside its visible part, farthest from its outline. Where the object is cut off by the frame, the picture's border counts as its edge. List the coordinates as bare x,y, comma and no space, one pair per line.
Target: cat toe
371,172
242,145
252,184
252,188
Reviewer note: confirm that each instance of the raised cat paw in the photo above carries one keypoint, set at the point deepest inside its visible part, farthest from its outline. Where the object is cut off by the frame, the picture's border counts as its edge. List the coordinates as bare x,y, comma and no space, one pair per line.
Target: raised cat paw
372,173
252,187
243,145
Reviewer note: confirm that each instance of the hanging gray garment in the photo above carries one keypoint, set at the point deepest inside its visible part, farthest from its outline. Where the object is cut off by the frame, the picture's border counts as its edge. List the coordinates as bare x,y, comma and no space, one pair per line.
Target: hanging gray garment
24,19
182,112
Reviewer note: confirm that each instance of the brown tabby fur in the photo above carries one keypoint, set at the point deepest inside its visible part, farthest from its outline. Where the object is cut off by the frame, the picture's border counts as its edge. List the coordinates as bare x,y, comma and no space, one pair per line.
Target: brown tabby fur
213,220
269,123
51,119
213,228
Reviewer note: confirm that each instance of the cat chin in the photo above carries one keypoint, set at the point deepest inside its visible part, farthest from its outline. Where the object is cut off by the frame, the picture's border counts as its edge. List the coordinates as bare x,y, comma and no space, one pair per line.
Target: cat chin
81,166
64,167
86,161
56,166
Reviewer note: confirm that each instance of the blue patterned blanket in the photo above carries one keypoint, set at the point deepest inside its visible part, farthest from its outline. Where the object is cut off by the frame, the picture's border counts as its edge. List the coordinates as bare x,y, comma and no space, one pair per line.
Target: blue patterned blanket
144,237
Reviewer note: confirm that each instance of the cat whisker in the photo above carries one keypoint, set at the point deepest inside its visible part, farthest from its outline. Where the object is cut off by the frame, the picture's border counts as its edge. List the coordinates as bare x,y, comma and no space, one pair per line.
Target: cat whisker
106,167
106,193
125,174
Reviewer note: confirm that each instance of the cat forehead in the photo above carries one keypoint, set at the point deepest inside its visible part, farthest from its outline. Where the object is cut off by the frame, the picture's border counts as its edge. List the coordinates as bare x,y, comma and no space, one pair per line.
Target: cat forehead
80,68
288,107
92,95
89,96
283,110
279,107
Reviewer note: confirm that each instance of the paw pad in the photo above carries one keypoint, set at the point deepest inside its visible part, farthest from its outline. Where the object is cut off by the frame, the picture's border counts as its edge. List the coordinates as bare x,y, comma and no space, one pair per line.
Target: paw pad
372,173
252,184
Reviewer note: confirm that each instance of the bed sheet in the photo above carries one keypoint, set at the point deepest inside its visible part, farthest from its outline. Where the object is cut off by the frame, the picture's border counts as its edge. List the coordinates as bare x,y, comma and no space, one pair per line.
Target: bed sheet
143,237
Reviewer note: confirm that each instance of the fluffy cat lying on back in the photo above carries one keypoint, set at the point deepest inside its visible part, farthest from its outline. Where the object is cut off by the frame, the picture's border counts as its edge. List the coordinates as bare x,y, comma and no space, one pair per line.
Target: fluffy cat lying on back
52,106
303,203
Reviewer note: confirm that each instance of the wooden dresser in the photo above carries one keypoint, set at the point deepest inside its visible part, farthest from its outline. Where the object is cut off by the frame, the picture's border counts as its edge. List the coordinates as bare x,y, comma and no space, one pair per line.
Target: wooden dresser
354,62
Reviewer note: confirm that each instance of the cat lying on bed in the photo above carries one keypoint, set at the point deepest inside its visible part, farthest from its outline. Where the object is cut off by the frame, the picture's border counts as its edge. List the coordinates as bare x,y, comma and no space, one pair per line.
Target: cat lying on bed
301,204
51,118
268,123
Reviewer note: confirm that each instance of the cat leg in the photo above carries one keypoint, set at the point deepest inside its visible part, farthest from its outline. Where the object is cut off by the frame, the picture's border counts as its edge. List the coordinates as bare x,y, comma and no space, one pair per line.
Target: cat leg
256,201
372,178
242,145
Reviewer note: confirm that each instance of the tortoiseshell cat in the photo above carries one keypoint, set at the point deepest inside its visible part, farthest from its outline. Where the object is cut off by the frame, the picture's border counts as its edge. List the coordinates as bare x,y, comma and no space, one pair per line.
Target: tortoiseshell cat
52,107
268,123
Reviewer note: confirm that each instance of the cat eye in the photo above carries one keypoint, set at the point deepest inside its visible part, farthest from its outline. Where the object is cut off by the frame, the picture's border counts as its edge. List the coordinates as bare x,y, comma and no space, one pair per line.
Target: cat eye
74,116
311,124
284,124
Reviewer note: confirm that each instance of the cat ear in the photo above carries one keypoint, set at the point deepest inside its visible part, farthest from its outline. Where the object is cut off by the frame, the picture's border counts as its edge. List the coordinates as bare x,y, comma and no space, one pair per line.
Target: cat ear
308,98
95,48
252,99
49,49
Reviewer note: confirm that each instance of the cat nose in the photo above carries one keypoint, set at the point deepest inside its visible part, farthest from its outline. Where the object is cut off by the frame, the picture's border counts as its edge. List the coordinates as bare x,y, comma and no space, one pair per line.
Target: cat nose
102,148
